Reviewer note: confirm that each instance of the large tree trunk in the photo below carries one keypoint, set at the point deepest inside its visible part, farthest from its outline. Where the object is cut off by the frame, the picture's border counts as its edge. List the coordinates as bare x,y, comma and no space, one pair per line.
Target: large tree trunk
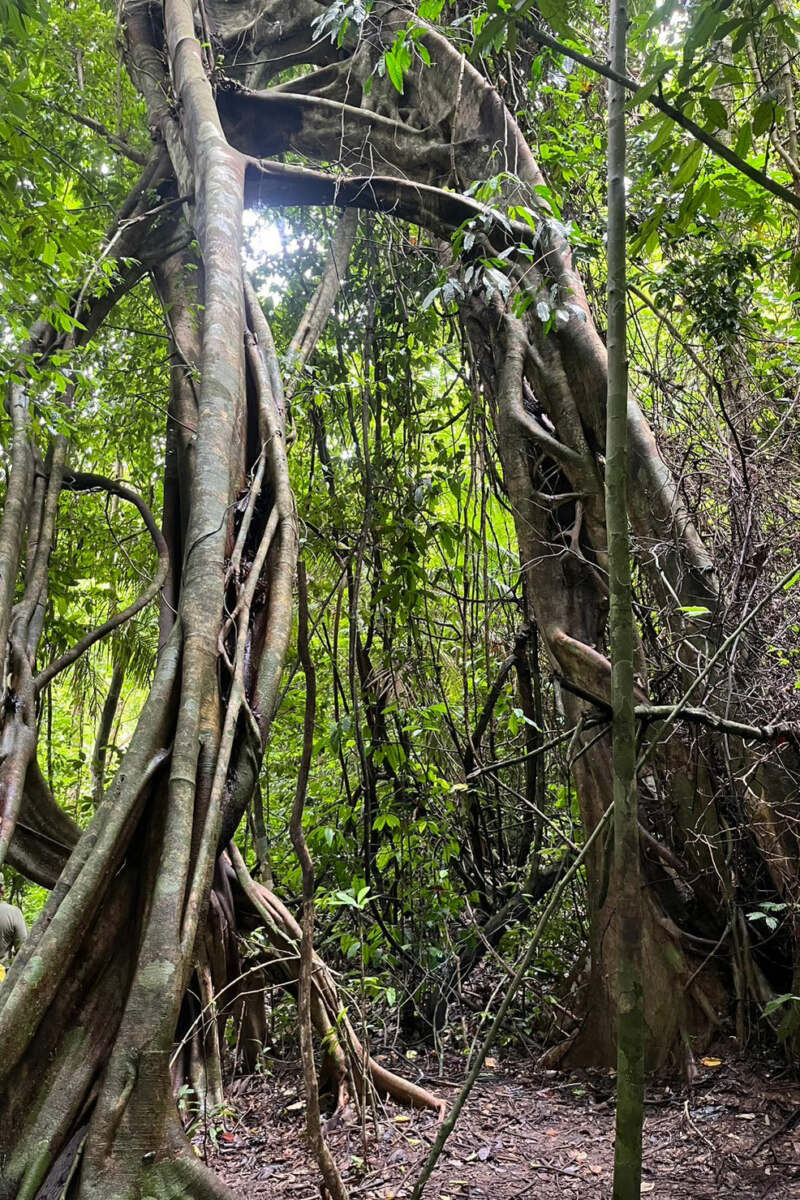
89,1011
547,382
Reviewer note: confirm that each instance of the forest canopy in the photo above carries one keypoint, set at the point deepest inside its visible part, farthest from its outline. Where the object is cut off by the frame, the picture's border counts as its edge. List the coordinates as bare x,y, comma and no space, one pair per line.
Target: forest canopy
306,540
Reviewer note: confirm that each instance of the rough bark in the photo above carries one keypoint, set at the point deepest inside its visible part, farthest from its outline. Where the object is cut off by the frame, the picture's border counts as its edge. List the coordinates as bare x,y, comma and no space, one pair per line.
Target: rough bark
89,1011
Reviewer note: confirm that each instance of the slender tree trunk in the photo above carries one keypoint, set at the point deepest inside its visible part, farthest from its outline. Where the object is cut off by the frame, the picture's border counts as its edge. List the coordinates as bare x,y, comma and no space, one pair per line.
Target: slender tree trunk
628,918
316,1138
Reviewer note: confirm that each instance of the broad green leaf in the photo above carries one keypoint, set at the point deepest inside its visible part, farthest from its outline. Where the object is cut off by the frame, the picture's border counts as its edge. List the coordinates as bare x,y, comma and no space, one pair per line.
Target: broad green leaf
763,117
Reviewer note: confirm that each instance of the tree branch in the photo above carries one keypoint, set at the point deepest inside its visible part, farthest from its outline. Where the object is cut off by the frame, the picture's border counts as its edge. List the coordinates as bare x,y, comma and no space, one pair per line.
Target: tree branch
87,482
321,303
669,110
275,184
116,143
778,732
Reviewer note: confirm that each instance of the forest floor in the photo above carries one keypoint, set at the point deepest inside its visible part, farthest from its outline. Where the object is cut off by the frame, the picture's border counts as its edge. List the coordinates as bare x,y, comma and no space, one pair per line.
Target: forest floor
525,1133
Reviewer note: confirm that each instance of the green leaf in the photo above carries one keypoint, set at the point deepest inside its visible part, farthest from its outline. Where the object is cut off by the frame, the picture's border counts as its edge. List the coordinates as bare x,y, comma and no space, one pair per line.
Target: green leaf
689,165
712,201
703,29
398,60
744,141
715,112
429,299
763,118
778,1002
662,137
647,89
554,12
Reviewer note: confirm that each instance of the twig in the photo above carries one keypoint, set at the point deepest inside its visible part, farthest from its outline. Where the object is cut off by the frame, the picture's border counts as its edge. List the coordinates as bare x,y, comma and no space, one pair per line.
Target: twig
116,143
784,1126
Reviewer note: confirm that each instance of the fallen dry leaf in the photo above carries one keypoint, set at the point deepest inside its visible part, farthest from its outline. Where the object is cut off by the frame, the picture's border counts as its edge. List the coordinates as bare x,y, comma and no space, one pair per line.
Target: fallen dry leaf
711,1062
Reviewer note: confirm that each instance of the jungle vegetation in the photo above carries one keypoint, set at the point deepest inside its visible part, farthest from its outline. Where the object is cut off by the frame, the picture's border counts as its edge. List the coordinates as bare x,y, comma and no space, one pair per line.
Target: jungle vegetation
317,548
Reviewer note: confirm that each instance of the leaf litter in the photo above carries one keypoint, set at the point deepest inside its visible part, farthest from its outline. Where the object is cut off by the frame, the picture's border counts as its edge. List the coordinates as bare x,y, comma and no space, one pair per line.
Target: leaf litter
525,1132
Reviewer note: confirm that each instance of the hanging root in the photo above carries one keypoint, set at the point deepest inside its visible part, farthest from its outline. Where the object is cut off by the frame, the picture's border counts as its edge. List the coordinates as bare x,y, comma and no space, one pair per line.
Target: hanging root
257,906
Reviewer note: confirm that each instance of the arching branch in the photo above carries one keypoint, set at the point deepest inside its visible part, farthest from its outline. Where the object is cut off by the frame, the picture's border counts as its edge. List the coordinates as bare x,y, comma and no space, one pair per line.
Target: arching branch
275,184
80,482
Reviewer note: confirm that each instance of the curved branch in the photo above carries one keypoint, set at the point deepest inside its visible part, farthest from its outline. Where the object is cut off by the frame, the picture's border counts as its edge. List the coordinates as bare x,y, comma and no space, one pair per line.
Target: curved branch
275,184
44,834
280,114
536,432
87,482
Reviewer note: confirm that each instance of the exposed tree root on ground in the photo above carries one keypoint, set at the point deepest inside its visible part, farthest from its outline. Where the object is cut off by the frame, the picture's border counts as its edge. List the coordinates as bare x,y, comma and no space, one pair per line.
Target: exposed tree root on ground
529,1133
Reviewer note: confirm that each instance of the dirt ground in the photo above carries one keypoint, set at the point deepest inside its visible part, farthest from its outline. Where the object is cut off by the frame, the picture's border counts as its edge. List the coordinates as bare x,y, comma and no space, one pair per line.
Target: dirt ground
525,1133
